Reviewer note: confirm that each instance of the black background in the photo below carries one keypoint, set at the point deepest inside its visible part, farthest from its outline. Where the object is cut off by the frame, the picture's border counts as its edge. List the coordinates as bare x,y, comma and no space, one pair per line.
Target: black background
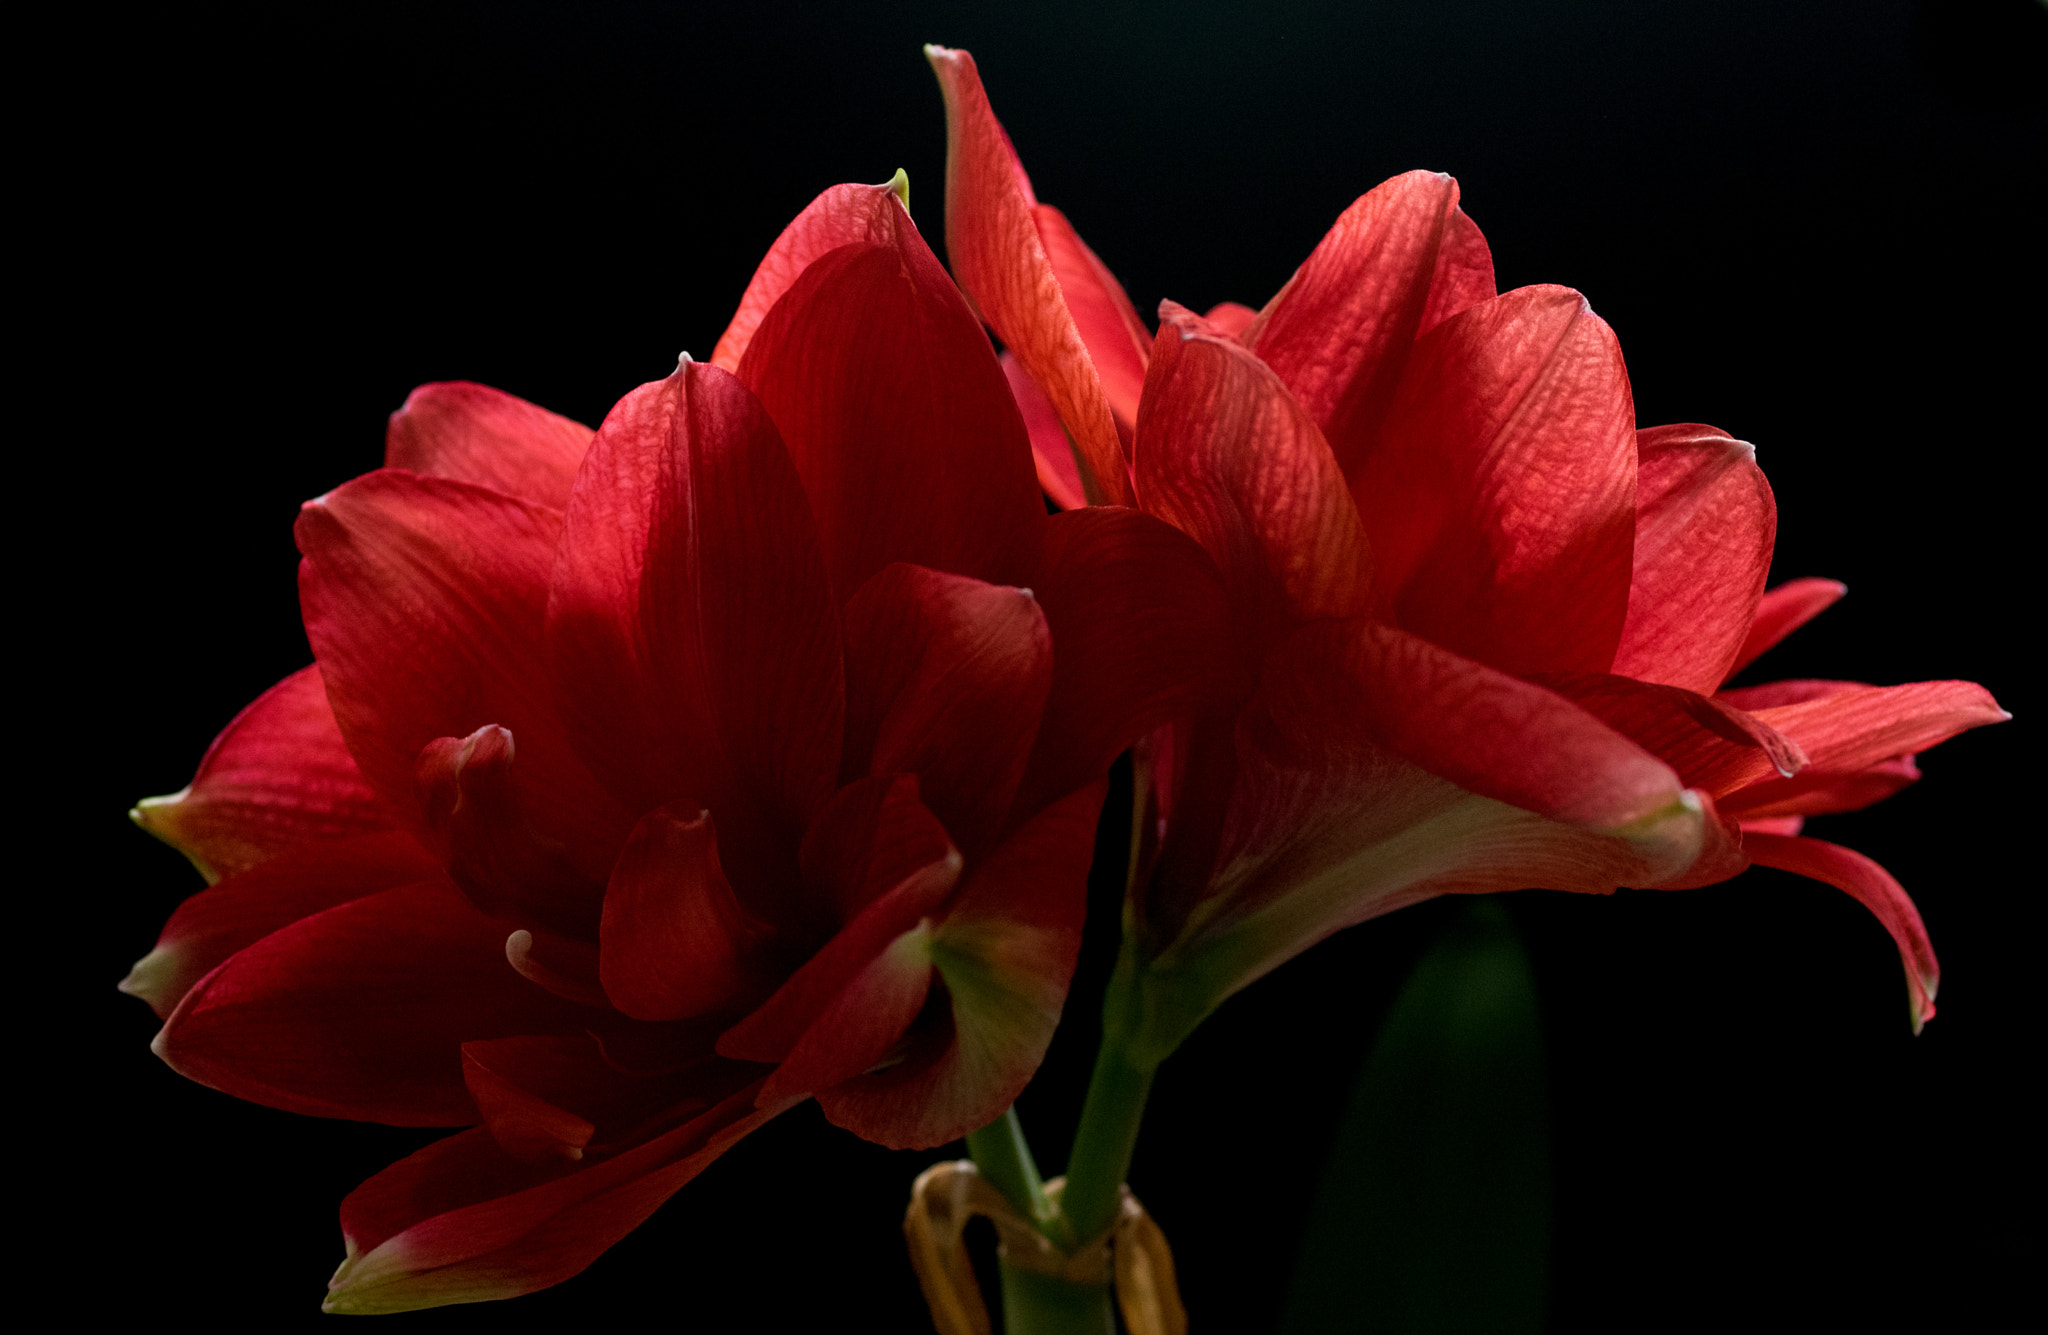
1815,225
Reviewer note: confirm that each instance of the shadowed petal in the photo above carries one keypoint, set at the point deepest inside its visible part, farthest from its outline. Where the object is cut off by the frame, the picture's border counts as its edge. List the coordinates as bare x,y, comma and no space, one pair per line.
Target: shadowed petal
1059,474
244,908
1705,525
361,1011
278,775
473,433
1821,792
1713,745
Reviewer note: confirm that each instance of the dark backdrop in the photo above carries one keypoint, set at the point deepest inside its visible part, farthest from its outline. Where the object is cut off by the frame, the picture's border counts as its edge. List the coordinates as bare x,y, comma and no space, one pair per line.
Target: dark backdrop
1816,225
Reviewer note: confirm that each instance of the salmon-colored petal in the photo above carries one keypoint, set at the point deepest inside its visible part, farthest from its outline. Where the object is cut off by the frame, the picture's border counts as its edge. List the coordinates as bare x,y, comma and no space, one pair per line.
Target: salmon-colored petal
946,678
1230,318
1005,951
474,433
692,635
896,414
279,775
361,1011
1500,498
242,909
842,215
1226,455
997,245
424,599
1117,342
675,940
462,1221
1401,259
1712,745
1821,792
1783,610
1851,729
1871,886
1705,526
1059,475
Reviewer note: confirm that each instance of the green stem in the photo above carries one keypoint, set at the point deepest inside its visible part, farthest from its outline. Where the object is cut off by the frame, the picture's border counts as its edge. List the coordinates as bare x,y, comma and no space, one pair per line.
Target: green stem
1000,1151
1035,1304
1110,1117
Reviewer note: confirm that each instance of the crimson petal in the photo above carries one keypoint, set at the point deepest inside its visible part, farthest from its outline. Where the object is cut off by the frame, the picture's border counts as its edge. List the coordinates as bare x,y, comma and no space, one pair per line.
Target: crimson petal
1851,729
361,1011
278,775
1783,610
1059,473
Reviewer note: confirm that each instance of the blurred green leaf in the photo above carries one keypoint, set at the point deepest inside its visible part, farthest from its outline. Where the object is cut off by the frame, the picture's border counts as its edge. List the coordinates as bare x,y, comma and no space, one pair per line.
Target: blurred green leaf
1434,1211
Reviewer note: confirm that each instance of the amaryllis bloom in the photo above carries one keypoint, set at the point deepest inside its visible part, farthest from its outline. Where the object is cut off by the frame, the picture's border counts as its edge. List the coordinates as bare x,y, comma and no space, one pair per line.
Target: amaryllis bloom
1479,622
651,780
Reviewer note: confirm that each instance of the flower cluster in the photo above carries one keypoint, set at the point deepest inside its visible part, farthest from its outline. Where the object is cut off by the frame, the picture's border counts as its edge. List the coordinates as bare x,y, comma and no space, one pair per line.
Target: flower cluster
749,748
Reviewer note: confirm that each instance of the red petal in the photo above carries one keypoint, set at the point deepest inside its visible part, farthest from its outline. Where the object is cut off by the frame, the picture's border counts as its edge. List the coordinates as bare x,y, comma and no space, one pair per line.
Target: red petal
1784,610
1226,454
473,433
946,678
468,796
1857,728
1000,255
861,1027
424,601
462,1221
676,941
1140,634
278,775
774,1031
870,837
248,906
1871,886
840,216
1117,341
896,413
1500,499
1705,524
1059,475
1796,691
1820,793
1006,950
360,1011
1487,732
526,1126
1712,745
1230,318
1400,259
691,633
548,1097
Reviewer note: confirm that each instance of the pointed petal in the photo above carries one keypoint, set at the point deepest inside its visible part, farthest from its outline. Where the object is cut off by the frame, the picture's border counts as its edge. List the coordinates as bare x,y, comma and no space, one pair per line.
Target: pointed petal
1225,454
1705,526
1871,886
1117,341
1401,259
691,633
1857,728
1784,610
998,248
473,433
1821,792
842,215
462,1221
278,775
1059,474
1140,634
361,1011
1006,951
896,413
775,1030
676,941
244,908
424,598
1712,745
946,678
1500,498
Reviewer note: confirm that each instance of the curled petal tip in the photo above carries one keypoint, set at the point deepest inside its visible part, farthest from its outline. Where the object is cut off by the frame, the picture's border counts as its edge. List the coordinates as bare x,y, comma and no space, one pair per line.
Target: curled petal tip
899,185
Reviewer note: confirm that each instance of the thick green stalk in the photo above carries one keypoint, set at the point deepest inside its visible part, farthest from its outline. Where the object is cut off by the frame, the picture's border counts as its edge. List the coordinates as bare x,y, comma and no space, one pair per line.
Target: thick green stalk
1035,1304
1002,1154
1110,1117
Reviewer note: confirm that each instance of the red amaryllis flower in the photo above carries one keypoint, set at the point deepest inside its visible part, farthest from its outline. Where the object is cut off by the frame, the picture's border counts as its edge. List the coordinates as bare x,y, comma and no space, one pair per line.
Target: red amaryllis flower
654,779
1479,620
